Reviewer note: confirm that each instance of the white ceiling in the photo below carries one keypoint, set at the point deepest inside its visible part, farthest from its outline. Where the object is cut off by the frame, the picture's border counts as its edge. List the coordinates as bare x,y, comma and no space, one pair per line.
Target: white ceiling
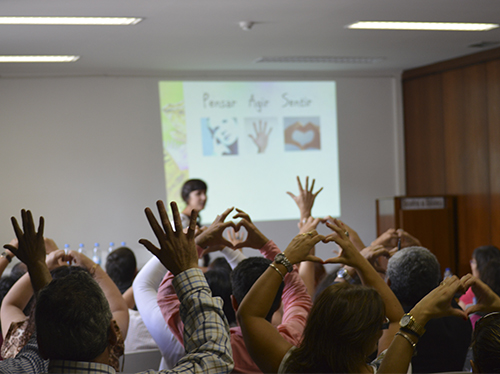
202,37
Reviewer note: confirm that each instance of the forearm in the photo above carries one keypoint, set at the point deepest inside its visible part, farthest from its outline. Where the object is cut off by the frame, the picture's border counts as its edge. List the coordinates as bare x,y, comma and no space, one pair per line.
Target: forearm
128,296
306,272
233,257
3,264
370,277
39,275
14,302
206,332
259,299
116,302
399,355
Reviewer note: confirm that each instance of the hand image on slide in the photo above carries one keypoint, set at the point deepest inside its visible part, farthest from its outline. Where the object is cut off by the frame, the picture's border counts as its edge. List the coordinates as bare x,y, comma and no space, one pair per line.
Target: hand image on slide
261,136
300,137
219,137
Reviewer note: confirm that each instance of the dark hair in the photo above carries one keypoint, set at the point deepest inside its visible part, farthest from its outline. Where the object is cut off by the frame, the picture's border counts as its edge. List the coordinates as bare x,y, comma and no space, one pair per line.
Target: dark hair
72,318
220,263
327,281
220,284
121,267
190,186
491,275
413,272
486,344
341,330
6,283
246,274
18,270
484,254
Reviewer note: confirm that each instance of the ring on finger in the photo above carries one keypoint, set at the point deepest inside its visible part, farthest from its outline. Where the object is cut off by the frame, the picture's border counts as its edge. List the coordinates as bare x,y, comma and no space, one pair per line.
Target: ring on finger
346,233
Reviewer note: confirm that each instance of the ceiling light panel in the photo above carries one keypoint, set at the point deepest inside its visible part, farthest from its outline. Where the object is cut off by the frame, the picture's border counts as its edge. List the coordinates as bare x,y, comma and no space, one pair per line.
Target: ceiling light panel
434,26
321,59
17,59
87,21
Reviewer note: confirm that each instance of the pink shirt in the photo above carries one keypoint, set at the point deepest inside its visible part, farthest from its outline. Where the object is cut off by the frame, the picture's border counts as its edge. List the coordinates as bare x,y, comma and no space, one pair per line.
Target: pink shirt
296,306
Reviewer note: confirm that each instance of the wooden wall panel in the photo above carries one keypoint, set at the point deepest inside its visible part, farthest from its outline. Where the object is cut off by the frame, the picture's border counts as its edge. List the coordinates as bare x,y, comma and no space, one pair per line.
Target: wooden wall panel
467,156
424,136
493,90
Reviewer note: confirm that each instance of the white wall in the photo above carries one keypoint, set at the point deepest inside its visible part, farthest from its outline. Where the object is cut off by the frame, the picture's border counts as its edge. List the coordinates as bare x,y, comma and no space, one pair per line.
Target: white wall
86,154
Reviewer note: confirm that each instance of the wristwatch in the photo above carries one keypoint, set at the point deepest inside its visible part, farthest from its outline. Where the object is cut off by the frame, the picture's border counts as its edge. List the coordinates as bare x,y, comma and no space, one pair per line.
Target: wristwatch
6,256
281,259
343,273
409,324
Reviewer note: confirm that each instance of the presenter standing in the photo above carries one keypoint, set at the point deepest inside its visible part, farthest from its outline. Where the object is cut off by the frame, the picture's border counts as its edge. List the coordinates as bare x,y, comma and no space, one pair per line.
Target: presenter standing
194,194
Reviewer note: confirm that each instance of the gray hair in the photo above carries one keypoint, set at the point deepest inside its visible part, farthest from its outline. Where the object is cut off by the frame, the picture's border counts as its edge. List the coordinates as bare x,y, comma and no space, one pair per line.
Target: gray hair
72,318
413,273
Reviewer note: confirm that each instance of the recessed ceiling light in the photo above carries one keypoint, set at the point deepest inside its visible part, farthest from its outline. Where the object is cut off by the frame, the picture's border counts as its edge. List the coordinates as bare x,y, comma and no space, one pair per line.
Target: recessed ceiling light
91,21
321,59
436,26
38,58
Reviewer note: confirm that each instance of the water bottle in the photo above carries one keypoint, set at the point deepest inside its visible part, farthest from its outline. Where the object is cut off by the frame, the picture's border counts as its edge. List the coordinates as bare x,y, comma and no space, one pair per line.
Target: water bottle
66,249
81,249
111,247
97,254
447,273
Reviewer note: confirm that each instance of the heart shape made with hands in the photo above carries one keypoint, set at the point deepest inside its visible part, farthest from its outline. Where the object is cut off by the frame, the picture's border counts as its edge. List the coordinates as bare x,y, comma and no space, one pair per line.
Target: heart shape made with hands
303,137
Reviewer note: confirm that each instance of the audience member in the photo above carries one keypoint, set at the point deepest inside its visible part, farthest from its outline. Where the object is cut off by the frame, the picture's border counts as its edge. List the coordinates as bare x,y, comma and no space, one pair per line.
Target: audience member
480,257
412,273
121,266
74,321
345,322
490,275
21,328
296,301
145,287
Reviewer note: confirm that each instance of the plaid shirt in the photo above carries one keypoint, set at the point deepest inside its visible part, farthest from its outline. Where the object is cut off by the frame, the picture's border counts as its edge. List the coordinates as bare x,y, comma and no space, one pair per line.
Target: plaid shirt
28,361
206,333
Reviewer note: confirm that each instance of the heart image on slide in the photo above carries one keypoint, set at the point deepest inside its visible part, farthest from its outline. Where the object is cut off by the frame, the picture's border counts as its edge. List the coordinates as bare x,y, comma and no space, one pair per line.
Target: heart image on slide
304,137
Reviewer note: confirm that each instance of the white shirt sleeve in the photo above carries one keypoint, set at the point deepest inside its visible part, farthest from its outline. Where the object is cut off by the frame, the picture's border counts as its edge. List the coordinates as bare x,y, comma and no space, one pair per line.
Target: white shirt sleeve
145,286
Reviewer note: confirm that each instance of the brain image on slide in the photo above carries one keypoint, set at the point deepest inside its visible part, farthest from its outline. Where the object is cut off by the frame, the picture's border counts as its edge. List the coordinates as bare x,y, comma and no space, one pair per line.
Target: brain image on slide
219,136
302,133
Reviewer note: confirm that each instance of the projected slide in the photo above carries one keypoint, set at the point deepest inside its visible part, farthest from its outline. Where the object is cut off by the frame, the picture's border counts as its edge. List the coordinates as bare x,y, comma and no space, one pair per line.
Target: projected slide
249,141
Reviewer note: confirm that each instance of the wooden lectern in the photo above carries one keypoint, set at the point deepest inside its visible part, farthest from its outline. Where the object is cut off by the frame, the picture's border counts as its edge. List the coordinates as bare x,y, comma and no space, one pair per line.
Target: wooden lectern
431,219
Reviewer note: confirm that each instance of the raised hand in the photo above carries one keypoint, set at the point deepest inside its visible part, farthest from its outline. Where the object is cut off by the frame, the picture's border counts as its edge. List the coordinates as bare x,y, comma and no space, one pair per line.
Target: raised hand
353,235
30,243
309,225
261,137
486,300
349,255
437,303
373,252
79,259
300,247
407,240
305,198
255,239
236,237
213,235
388,239
177,250
56,258
31,249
